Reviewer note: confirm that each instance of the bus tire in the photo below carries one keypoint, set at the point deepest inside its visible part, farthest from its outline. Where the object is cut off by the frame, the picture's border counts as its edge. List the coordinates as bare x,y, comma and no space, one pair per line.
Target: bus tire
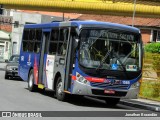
61,96
31,85
112,101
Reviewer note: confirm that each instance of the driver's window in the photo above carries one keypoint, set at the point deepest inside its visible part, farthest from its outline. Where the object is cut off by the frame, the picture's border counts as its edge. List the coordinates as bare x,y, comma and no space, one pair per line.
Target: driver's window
63,39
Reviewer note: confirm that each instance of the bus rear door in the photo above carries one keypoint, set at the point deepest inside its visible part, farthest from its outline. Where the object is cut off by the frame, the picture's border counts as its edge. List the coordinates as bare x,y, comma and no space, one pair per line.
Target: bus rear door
42,76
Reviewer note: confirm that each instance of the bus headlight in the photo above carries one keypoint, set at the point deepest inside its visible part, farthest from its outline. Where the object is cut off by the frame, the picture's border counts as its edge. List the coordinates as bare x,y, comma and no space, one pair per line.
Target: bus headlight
81,79
135,85
9,68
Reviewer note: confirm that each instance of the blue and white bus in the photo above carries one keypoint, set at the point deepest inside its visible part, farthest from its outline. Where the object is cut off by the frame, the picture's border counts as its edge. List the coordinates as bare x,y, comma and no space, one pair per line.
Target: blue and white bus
88,58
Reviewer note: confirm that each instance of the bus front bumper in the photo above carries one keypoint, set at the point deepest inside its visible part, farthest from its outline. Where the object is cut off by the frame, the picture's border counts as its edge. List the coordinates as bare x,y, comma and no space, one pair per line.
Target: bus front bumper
86,89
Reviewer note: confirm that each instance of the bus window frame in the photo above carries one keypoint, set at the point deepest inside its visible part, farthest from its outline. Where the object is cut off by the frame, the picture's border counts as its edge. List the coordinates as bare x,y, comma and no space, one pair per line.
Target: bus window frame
53,41
33,41
69,28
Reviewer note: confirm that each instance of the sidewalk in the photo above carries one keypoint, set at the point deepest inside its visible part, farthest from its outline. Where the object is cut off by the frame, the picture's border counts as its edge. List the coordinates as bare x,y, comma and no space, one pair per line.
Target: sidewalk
2,65
142,104
2,60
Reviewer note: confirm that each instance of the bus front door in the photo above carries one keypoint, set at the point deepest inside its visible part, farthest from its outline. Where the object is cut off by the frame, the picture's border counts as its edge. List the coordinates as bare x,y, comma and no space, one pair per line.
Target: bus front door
42,60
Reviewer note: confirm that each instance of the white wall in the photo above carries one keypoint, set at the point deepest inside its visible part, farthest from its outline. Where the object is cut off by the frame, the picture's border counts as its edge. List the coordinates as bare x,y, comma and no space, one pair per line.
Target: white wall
22,18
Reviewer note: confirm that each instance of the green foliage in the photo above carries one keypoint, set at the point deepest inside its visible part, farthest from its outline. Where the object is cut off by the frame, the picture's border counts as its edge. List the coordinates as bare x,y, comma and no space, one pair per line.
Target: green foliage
150,90
153,48
156,89
156,62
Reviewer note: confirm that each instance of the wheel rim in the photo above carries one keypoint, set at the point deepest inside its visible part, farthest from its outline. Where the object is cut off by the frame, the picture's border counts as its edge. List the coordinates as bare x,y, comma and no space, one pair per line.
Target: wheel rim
31,81
59,88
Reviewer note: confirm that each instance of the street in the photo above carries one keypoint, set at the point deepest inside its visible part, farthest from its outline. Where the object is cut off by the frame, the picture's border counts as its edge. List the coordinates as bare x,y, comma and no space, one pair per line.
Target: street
16,97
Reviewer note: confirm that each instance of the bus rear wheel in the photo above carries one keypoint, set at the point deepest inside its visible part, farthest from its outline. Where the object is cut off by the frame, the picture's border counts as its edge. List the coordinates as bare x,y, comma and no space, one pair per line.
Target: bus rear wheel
59,90
112,101
31,86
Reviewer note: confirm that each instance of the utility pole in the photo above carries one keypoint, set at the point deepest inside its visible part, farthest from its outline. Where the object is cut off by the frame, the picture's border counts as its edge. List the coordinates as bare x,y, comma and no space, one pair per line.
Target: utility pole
134,12
63,16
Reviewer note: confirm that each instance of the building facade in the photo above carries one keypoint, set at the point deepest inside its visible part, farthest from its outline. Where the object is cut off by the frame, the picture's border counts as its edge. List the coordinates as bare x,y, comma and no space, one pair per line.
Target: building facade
5,36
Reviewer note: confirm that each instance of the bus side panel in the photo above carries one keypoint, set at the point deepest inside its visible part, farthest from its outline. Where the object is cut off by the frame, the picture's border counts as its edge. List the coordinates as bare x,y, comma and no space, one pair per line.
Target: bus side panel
49,70
23,66
26,63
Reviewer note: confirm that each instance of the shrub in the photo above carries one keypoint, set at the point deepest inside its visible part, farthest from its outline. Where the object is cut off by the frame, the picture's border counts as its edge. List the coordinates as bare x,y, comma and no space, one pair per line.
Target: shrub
150,89
156,62
156,89
152,47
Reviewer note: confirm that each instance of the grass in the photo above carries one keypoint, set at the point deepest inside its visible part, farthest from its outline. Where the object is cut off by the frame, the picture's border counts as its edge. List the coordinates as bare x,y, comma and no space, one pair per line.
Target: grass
150,90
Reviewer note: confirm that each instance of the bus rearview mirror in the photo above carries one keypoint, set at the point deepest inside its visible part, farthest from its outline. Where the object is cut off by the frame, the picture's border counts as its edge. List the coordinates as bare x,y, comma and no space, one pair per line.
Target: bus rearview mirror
76,43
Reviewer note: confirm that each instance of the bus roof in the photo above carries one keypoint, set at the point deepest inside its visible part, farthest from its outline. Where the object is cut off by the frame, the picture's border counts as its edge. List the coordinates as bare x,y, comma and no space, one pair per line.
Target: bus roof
88,24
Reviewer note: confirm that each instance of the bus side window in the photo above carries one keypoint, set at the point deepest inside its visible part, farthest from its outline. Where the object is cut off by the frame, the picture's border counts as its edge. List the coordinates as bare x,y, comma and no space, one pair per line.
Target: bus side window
25,40
62,43
53,41
31,40
37,43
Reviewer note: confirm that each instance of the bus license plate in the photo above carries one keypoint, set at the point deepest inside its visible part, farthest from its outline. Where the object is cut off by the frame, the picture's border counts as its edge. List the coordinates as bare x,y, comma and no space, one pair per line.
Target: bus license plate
109,91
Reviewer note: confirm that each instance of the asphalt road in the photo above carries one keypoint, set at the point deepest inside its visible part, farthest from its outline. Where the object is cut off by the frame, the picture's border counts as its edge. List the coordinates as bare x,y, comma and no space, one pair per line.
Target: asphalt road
14,96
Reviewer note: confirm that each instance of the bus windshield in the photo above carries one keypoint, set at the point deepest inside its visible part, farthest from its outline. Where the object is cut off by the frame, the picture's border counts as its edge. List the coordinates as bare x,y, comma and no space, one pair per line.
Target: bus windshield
109,49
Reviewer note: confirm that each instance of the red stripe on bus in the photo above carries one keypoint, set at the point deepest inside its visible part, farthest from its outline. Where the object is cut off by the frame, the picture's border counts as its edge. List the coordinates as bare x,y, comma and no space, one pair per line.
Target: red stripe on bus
35,71
92,79
74,77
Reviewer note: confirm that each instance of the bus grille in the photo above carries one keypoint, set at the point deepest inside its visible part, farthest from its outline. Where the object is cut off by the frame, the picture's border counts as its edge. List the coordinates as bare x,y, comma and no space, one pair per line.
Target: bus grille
109,86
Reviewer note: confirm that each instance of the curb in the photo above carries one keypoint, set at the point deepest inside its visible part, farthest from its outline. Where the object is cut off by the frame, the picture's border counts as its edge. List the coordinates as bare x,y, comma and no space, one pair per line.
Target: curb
140,105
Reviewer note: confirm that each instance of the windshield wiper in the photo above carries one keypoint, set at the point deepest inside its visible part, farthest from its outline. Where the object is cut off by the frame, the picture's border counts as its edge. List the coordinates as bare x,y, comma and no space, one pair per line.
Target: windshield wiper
120,62
103,60
125,59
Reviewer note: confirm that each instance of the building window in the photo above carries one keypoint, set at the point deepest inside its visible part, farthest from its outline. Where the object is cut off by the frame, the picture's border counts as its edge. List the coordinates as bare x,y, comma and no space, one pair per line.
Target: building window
6,12
6,46
158,36
1,10
14,49
29,23
16,24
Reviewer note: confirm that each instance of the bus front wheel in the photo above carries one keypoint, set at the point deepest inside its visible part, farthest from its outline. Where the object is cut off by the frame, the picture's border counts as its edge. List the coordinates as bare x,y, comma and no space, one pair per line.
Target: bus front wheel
31,86
59,90
112,101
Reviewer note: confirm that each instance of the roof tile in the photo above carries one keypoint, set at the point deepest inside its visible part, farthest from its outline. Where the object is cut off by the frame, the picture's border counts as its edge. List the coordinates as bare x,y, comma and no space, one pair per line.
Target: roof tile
138,21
